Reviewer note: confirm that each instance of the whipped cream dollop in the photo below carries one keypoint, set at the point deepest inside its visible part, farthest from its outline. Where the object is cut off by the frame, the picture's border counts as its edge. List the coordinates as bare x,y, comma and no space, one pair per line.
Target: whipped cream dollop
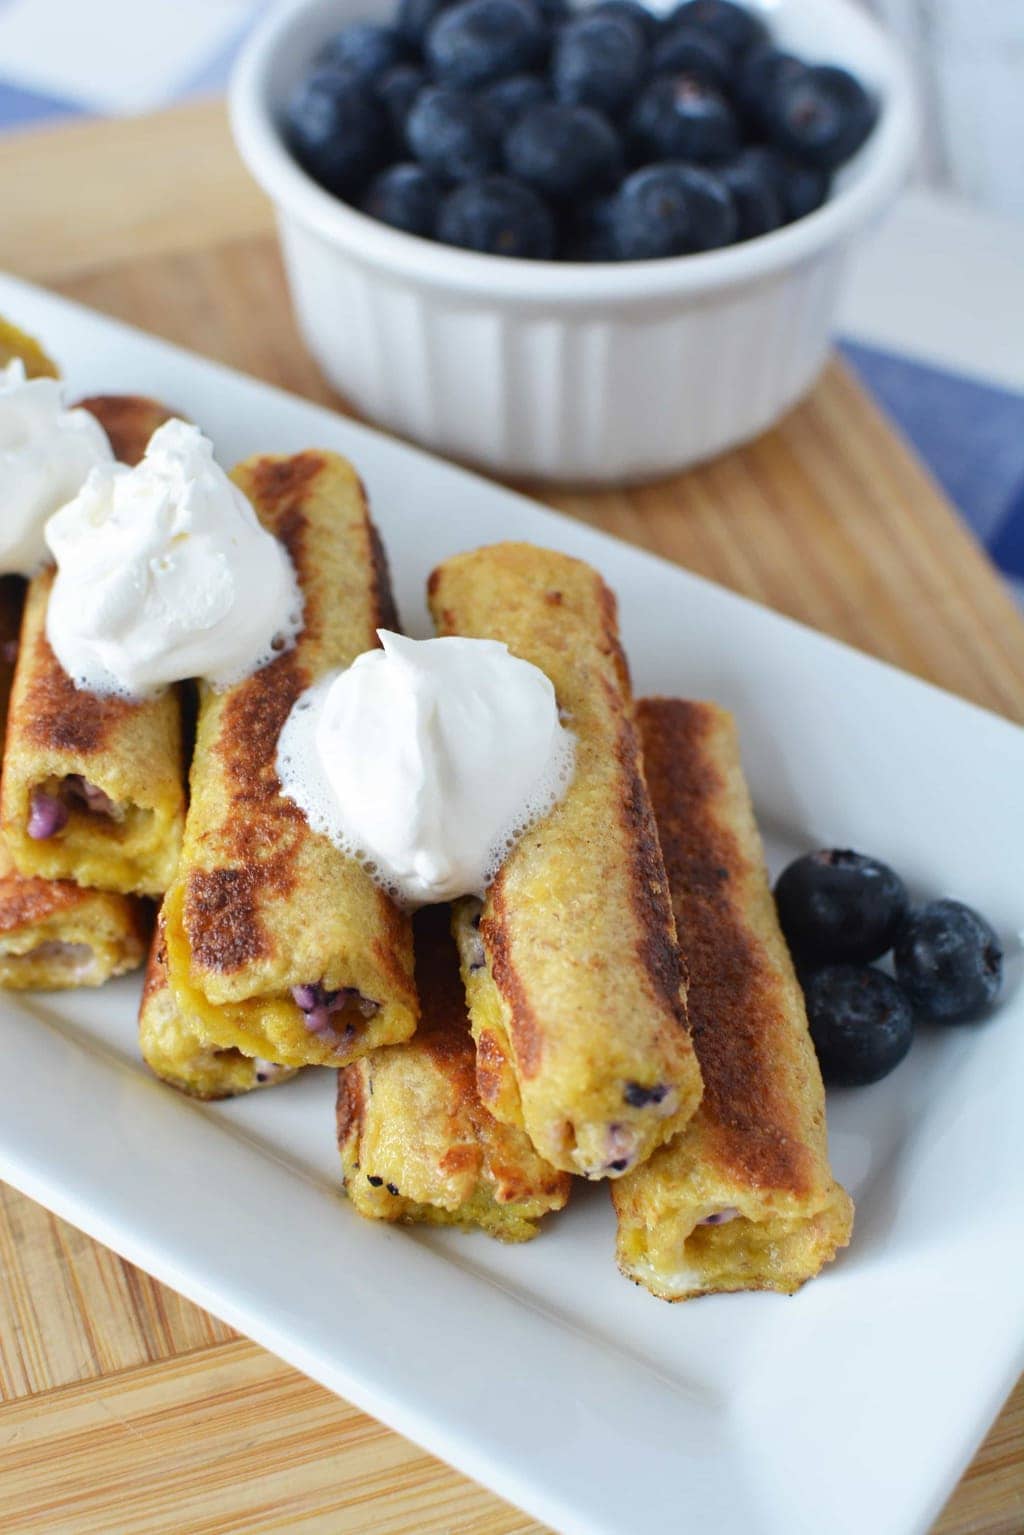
426,759
46,452
164,572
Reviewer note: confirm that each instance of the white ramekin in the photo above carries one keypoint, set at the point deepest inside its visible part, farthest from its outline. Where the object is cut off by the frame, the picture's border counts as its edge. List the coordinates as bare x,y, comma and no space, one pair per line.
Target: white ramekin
567,371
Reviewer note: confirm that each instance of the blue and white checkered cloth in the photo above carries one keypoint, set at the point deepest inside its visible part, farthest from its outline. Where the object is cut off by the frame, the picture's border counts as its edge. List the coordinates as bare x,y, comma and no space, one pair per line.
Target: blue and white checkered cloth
67,58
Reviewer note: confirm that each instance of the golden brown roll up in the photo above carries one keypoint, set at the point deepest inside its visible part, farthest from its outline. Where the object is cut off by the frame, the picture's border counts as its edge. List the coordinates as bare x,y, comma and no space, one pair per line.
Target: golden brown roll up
743,1198
177,1053
264,910
572,967
53,934
416,1143
93,787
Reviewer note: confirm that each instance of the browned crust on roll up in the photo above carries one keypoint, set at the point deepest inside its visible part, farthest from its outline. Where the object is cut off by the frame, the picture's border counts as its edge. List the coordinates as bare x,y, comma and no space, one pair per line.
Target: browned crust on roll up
57,733
571,964
743,1198
416,1142
262,904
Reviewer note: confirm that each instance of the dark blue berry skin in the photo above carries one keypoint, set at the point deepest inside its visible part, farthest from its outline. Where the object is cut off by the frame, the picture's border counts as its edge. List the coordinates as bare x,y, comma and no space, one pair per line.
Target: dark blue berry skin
405,197
861,1023
590,232
338,130
365,48
836,906
600,62
733,26
398,89
416,17
949,962
822,116
632,10
564,152
670,210
755,193
452,135
685,50
499,217
554,12
762,72
478,41
682,117
512,97
802,188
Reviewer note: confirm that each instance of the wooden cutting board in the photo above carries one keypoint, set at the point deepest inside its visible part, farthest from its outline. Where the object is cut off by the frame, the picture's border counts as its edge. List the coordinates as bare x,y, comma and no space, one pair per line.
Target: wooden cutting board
124,1410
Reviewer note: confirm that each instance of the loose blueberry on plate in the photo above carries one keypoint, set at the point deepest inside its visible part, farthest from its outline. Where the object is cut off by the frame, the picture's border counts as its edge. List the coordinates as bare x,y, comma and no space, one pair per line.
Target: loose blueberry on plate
861,1023
836,905
338,129
733,26
499,217
670,210
452,135
405,197
632,11
398,89
511,97
599,61
755,193
682,117
478,41
564,152
365,48
685,50
949,962
822,116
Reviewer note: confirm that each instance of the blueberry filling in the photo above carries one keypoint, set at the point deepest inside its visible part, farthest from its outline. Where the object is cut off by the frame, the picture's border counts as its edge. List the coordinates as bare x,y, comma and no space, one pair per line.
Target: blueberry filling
374,1182
48,813
720,1217
638,1096
318,1004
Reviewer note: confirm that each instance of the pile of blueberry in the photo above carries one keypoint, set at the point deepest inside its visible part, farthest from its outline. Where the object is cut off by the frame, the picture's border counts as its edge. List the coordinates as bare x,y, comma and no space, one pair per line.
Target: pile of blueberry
524,128
839,910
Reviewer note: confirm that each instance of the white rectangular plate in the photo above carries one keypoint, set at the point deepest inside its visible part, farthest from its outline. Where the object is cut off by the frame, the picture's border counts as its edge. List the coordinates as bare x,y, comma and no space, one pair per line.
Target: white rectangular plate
538,1370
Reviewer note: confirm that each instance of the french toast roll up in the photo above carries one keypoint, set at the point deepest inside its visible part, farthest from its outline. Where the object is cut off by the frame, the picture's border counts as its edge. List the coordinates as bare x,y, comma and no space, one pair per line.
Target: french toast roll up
178,1053
743,1198
93,786
54,934
416,1143
278,944
571,964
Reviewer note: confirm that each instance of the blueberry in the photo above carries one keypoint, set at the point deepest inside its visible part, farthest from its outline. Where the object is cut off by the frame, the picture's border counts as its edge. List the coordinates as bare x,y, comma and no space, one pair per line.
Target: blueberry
802,188
822,116
452,135
755,193
762,72
564,152
363,47
733,26
836,905
590,235
516,95
631,10
405,197
478,41
338,130
682,117
398,89
668,210
599,61
949,962
861,1023
498,216
554,12
416,17
685,50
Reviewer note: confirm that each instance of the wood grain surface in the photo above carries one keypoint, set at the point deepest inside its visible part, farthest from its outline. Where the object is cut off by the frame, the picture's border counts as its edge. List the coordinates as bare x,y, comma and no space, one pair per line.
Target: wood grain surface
125,1409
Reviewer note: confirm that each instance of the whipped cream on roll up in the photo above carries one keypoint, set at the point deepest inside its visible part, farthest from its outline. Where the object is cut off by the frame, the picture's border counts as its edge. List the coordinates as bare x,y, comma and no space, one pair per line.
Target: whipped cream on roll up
46,452
426,759
164,573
